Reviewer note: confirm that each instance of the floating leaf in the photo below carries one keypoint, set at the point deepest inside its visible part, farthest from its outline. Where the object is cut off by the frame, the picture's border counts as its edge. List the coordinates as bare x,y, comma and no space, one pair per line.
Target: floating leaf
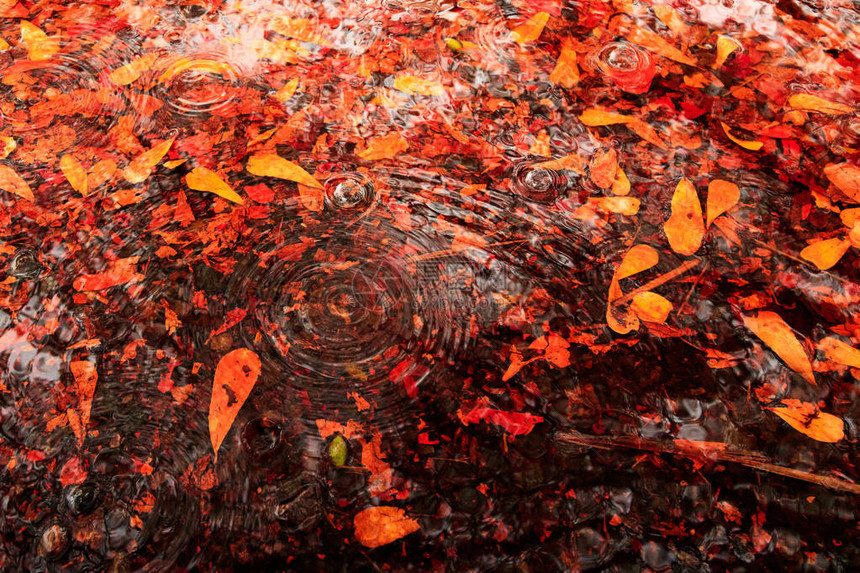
202,66
75,173
809,102
531,29
621,185
751,145
129,73
722,196
13,183
839,352
845,177
774,332
651,307
414,85
380,525
597,118
311,197
808,419
639,258
385,147
824,254
566,72
202,179
7,146
235,376
271,165
725,47
39,45
684,228
141,166
286,92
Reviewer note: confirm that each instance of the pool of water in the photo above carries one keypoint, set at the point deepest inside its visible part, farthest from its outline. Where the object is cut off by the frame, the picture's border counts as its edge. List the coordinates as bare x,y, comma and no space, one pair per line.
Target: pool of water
439,285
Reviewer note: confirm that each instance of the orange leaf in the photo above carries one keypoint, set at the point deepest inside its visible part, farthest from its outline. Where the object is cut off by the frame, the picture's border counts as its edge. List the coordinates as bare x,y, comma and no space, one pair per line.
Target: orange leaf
722,196
596,118
286,92
415,85
621,185
839,352
845,177
13,183
725,47
572,162
639,258
824,254
651,307
685,228
646,132
655,43
39,45
75,173
129,73
627,322
141,166
7,146
235,376
774,332
807,419
86,376
380,525
100,174
566,72
202,179
751,145
118,272
623,205
603,168
531,29
808,102
311,197
384,147
203,66
271,165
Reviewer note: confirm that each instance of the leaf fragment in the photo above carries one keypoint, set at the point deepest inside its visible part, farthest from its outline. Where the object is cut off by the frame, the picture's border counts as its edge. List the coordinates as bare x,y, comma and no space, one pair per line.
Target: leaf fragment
531,29
639,258
655,43
746,144
7,146
845,177
235,376
809,102
130,72
840,352
270,165
380,525
651,307
604,166
722,196
39,45
141,166
824,254
74,172
621,185
202,179
13,183
684,229
779,337
385,147
200,65
566,72
725,46
808,419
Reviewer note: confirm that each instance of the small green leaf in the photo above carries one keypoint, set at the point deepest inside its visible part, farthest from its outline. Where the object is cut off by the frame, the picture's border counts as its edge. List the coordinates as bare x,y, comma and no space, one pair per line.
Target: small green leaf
337,451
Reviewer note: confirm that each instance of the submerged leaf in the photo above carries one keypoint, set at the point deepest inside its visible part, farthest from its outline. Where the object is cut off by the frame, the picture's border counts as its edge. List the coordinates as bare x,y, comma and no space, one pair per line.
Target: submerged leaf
415,85
311,197
824,254
13,183
75,173
845,177
839,352
385,147
129,73
684,228
566,72
376,526
531,29
202,179
751,145
773,331
596,118
722,196
235,376
808,102
651,307
725,47
808,419
39,45
271,165
639,258
204,66
141,166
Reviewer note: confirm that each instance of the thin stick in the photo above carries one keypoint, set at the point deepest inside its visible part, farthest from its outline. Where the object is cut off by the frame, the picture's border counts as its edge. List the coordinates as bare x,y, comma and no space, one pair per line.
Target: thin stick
652,284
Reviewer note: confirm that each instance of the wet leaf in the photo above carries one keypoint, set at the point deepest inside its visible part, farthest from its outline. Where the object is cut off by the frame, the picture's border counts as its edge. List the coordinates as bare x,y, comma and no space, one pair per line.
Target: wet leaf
13,183
75,173
572,162
622,205
201,66
514,423
597,118
100,174
639,258
809,102
845,177
808,419
566,72
655,43
311,197
338,450
779,337
684,228
531,29
286,92
824,254
235,376
651,307
604,166
141,166
276,166
751,145
202,179
376,526
414,85
618,320
86,377
129,73
725,47
119,272
385,147
722,196
840,352
7,146
621,185
39,45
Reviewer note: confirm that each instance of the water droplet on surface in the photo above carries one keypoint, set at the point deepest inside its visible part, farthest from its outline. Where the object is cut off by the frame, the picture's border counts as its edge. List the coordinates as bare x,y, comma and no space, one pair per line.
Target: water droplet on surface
346,192
82,498
538,184
25,264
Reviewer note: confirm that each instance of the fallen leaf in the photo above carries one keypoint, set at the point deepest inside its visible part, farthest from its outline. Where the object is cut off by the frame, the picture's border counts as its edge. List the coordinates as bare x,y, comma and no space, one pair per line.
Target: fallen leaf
311,197
202,179
824,254
202,66
13,183
722,196
566,72
286,92
651,307
514,423
271,165
809,102
845,177
572,162
119,272
751,145
235,376
74,172
778,335
141,166
597,118
684,228
7,146
415,85
639,258
655,43
604,166
380,525
622,205
100,174
725,47
808,419
839,352
626,322
385,147
39,45
621,185
130,72
531,29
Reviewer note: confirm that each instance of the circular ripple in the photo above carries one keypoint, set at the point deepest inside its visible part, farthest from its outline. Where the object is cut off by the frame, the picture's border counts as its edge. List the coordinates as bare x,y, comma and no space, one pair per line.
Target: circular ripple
192,89
536,183
629,67
349,192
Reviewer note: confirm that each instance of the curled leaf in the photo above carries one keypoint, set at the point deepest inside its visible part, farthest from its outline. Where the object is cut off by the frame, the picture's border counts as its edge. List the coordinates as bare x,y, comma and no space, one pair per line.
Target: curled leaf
651,307
808,419
13,183
722,196
235,376
824,254
74,172
639,258
270,165
380,525
202,179
684,228
809,102
751,145
286,92
773,331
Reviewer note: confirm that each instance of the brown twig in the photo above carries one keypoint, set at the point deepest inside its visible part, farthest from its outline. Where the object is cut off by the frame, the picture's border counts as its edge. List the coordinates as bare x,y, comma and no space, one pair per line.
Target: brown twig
652,284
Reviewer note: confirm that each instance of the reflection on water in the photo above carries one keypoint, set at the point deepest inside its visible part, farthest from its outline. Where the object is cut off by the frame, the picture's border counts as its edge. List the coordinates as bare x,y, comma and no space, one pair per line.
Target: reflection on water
505,264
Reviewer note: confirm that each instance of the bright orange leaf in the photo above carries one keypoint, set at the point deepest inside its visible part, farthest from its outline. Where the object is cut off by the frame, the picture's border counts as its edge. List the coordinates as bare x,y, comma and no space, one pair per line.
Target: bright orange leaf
380,525
414,85
651,307
596,118
845,177
141,166
840,352
385,147
639,258
824,254
566,72
13,183
202,179
725,47
808,419
809,102
75,173
271,165
746,144
129,73
604,166
773,331
235,376
39,45
684,228
311,197
531,29
722,196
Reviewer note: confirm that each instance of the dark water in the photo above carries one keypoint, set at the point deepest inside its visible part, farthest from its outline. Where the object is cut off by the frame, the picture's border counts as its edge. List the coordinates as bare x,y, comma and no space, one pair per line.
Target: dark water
390,310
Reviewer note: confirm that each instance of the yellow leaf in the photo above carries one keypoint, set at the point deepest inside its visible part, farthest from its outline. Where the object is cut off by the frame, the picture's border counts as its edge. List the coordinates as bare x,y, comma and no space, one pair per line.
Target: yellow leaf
639,258
824,254
270,165
808,102
651,307
572,162
204,66
751,145
566,72
414,85
531,29
380,525
725,47
845,177
141,166
129,73
100,174
286,92
311,197
384,147
39,45
7,146
722,196
839,352
773,331
807,419
621,185
13,183
74,172
235,376
596,118
684,228
622,205
202,179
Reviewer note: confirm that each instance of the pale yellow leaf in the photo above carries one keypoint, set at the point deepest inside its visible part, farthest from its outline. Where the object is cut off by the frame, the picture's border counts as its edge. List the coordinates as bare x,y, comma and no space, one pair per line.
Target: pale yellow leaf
202,179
